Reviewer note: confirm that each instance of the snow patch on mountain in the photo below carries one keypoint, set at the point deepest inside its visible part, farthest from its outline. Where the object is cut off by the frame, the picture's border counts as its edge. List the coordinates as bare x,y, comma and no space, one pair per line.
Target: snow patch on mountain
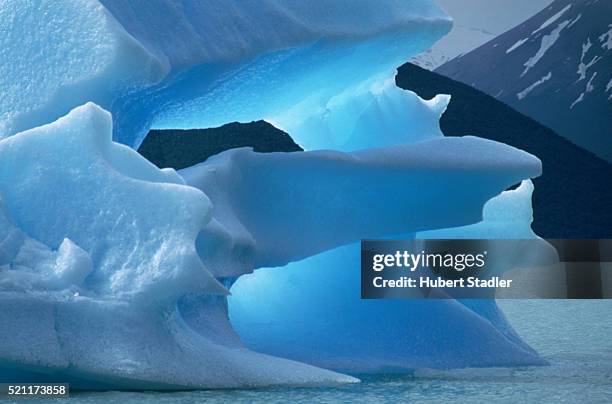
608,87
526,91
547,42
606,39
574,21
583,67
552,19
517,44
589,87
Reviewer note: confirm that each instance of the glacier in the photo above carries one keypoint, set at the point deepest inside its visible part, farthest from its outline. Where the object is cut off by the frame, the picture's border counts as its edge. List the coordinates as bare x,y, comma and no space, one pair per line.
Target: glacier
115,273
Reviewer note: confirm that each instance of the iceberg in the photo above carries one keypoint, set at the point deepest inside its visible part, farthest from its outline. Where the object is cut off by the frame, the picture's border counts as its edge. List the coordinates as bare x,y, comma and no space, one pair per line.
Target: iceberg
115,273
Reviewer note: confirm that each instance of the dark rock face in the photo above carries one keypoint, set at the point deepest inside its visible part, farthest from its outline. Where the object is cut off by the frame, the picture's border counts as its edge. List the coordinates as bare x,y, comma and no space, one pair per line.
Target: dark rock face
572,198
556,67
183,148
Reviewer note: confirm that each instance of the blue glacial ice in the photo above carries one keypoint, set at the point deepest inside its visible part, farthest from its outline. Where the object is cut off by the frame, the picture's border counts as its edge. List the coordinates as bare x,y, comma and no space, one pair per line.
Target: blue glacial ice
316,302
115,273
183,63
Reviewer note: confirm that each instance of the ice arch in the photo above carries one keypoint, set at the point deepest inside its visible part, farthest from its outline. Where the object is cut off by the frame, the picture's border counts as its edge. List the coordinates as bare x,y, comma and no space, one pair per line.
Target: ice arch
110,266
317,302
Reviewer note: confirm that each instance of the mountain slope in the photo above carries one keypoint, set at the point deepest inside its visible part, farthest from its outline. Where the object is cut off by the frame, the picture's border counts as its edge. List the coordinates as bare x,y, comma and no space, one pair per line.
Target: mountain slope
555,67
572,198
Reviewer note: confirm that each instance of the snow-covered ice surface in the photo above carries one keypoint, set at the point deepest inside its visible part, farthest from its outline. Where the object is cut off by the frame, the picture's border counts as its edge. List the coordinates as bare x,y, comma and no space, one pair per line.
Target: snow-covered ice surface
59,55
114,273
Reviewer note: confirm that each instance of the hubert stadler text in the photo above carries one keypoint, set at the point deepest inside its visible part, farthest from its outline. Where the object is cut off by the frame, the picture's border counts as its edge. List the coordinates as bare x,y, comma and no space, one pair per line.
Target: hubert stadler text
440,282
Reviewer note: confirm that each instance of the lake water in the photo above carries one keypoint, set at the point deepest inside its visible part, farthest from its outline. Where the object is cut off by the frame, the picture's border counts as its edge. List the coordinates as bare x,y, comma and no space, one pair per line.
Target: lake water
574,336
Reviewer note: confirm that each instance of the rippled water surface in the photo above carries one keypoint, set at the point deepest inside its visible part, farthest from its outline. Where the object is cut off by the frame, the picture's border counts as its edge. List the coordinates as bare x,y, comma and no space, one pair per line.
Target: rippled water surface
574,336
